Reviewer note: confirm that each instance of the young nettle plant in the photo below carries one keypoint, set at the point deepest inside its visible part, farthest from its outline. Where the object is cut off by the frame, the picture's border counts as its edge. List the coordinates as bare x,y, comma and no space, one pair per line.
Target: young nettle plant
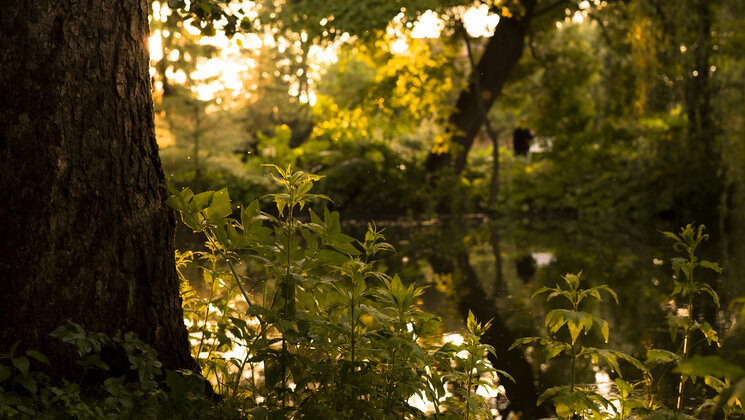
573,400
471,372
295,320
685,287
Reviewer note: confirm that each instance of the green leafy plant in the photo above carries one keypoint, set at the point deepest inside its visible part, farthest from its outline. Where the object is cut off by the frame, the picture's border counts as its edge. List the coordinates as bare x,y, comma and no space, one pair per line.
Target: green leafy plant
291,317
715,372
575,401
686,287
120,377
471,372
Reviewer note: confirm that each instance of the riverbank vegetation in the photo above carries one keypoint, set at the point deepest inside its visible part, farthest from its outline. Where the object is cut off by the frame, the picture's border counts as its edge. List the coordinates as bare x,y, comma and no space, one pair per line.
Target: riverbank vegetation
288,317
372,197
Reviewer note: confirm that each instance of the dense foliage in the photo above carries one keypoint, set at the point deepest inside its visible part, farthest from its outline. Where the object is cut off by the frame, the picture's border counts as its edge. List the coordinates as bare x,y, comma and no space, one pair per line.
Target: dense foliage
289,318
628,109
636,107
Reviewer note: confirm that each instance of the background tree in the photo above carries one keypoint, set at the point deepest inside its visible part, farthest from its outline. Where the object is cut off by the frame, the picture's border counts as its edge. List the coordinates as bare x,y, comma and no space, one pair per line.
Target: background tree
86,234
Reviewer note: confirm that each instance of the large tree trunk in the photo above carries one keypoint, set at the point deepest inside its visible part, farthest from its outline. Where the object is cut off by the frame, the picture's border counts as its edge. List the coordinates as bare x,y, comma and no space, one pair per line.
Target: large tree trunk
502,53
86,235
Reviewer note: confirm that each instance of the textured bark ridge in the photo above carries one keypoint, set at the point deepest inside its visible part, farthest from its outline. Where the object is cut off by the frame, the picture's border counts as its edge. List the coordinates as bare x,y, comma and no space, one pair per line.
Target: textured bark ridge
84,231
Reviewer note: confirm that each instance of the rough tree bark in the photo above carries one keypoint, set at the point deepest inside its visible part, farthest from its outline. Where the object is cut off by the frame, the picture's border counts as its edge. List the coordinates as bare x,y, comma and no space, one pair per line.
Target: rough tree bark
502,53
85,234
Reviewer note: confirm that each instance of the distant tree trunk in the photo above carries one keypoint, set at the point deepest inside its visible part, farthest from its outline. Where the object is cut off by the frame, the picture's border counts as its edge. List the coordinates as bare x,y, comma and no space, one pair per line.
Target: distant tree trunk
85,234
698,88
501,55
493,135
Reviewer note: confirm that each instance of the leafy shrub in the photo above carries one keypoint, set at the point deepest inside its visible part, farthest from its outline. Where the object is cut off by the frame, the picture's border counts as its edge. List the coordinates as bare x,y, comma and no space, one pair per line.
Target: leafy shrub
574,400
142,390
321,332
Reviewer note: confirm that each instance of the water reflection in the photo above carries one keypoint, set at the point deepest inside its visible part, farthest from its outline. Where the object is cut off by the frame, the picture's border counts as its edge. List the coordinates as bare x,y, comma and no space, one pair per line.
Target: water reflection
491,267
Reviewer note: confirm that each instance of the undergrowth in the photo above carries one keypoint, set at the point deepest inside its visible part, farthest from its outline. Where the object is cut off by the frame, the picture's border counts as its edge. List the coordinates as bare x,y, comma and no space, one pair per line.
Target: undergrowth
289,317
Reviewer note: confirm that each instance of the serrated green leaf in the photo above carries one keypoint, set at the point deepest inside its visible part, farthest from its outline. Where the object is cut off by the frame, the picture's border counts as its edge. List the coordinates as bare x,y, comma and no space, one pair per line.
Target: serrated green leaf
624,388
202,200
27,382
310,240
657,356
522,341
710,265
22,364
701,366
554,348
670,235
38,356
705,288
219,207
604,329
543,289
471,323
331,258
576,322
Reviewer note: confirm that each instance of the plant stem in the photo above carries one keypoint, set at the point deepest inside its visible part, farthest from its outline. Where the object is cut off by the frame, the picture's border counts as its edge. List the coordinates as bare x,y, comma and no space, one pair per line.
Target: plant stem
353,324
249,352
468,386
574,359
207,311
689,321
286,285
389,385
225,256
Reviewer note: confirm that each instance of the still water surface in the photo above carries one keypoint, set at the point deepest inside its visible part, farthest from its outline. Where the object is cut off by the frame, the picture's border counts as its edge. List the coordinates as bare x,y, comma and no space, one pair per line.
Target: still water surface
492,267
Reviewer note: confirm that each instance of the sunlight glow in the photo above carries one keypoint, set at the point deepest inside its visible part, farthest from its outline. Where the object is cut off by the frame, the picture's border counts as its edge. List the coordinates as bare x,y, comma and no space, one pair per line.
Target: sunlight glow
156,10
429,25
173,55
454,338
179,77
543,259
399,46
489,389
191,29
211,76
207,69
311,99
161,11
227,71
479,22
578,17
155,42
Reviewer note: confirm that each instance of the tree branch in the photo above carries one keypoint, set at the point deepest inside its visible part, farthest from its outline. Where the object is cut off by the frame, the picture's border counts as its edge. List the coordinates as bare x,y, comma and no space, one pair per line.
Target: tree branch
493,135
549,8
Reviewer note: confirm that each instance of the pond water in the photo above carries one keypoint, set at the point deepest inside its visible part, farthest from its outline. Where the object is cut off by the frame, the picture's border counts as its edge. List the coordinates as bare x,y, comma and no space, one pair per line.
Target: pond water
492,267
